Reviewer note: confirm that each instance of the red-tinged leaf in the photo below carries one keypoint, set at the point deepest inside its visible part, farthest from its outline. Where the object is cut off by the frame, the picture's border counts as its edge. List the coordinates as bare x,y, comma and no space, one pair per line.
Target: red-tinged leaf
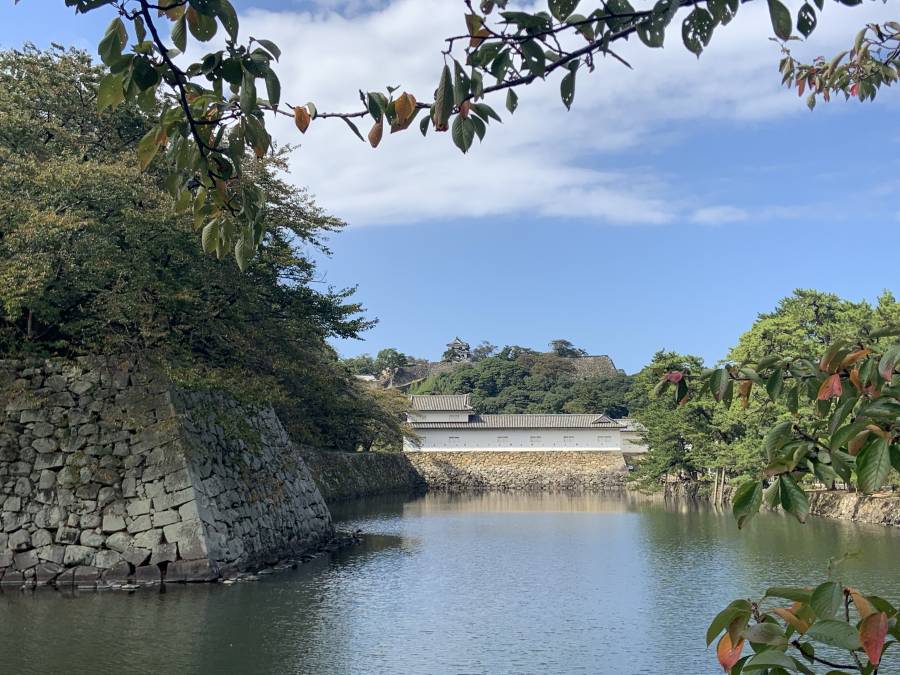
744,392
872,633
674,376
863,606
857,442
727,653
830,388
854,90
854,379
790,618
853,357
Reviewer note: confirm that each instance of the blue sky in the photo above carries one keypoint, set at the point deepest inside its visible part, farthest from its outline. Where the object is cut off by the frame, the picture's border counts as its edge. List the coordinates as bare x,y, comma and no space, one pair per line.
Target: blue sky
669,208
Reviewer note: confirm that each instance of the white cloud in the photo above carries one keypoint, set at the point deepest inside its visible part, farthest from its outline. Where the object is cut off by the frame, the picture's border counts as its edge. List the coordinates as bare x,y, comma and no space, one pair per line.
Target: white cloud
718,215
542,160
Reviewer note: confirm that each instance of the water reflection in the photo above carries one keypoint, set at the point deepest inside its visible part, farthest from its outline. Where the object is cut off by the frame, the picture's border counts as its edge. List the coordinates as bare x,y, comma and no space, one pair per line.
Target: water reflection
484,583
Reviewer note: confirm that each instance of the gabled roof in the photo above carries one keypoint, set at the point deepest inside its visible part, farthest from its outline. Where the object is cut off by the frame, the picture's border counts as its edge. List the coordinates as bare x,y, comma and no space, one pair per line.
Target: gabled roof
525,422
441,402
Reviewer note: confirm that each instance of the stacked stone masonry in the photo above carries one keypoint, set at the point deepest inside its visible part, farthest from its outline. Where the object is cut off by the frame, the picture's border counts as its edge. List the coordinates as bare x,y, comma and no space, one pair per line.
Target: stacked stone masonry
109,474
529,470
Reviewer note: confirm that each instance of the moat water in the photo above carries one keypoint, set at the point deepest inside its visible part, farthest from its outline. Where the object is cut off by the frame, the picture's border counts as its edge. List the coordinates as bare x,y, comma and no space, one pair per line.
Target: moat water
495,583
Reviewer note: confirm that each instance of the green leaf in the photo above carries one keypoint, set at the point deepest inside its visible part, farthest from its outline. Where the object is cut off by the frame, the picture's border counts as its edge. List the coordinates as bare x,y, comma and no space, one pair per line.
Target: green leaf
243,253
793,498
147,147
480,128
225,11
806,20
826,599
697,29
533,58
789,593
781,19
873,464
257,135
561,9
775,383
843,464
443,100
209,237
567,87
771,658
113,42
269,46
766,634
202,26
835,633
720,622
746,501
110,94
461,84
273,87
777,437
512,101
355,129
248,93
179,33
718,383
486,112
463,133
423,125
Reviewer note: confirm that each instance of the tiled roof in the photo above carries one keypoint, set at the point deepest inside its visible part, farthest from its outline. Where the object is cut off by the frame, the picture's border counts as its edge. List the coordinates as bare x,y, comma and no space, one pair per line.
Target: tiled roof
631,424
525,422
441,402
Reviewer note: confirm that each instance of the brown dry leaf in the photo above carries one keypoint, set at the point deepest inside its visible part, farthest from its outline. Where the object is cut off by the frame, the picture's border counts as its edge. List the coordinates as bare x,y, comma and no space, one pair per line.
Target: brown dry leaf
302,118
376,133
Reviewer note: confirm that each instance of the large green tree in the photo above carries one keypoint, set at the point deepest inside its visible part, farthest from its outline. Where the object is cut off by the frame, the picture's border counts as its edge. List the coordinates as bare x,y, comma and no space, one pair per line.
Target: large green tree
93,258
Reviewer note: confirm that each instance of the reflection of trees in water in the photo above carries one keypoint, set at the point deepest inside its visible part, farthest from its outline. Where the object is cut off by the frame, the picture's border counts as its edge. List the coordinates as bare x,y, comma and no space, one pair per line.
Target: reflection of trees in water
613,501
379,506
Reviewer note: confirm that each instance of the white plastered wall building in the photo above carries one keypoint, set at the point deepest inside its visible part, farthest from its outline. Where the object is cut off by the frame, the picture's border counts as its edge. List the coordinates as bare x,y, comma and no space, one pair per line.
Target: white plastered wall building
449,423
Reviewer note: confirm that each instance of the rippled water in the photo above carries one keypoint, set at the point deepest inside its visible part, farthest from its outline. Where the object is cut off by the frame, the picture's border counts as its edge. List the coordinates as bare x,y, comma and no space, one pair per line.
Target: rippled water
458,584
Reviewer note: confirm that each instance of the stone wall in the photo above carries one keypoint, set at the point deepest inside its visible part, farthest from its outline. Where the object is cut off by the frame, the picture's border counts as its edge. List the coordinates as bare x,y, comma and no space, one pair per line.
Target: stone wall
860,508
529,470
110,474
348,475
879,510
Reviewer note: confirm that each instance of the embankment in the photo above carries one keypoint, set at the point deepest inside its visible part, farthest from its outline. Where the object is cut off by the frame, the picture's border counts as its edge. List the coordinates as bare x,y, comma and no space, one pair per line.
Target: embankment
342,476
881,509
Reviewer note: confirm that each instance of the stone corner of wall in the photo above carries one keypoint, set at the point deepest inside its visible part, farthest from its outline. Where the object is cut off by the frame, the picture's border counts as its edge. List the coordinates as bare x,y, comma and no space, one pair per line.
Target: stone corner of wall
102,480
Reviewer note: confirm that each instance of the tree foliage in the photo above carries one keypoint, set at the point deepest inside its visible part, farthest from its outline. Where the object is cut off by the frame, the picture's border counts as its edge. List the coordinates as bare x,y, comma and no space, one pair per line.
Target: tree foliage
521,380
214,108
696,436
93,259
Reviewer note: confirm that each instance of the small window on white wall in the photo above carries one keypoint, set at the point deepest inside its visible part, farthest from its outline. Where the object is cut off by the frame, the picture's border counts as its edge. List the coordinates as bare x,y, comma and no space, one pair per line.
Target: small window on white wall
535,441
503,442
453,441
605,441
568,441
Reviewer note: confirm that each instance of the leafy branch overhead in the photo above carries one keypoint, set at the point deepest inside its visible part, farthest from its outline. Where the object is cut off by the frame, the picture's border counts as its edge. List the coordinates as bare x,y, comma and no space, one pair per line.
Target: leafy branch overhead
209,113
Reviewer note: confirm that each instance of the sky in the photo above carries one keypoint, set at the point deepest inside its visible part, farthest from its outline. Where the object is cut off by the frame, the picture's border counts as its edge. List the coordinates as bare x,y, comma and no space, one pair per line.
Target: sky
673,203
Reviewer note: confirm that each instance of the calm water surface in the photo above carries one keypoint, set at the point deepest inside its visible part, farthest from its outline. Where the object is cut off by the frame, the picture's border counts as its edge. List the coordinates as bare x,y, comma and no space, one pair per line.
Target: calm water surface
463,584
